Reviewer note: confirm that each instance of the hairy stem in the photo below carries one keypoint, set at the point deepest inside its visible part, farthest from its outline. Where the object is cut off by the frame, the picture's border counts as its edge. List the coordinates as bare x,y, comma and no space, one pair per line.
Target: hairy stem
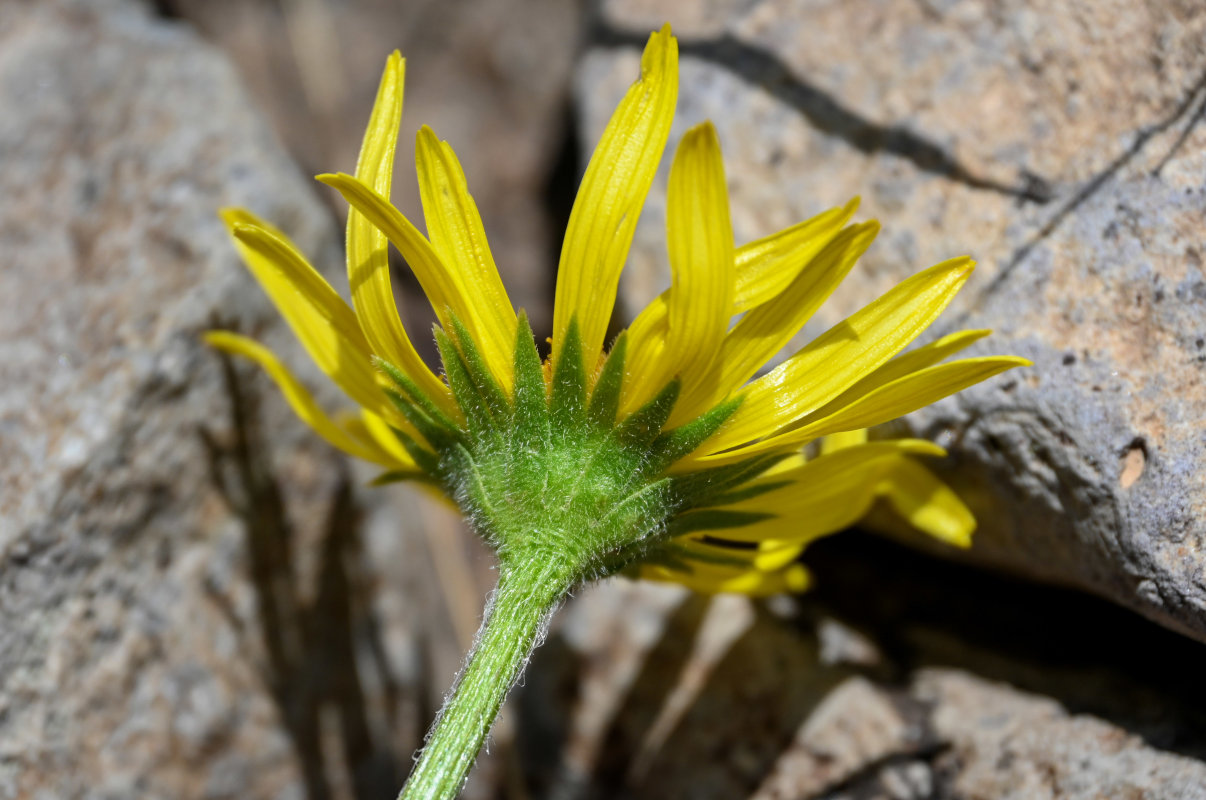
515,620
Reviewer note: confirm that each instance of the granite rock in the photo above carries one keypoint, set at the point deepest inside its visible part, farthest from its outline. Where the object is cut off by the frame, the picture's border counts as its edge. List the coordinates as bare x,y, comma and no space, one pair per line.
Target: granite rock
1061,147
182,566
1008,744
646,691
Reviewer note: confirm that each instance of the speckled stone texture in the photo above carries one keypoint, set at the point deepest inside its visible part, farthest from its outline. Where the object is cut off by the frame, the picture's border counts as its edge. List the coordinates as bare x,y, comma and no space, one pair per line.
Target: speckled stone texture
1063,147
649,692
183,592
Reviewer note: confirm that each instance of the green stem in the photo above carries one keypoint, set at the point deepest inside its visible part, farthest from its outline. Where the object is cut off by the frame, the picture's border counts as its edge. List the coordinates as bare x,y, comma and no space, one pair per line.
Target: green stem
515,619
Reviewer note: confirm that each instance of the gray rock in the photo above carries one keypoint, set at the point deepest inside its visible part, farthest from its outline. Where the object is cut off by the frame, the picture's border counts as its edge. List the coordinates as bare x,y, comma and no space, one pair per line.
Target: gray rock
1064,150
161,639
1010,745
1087,468
648,692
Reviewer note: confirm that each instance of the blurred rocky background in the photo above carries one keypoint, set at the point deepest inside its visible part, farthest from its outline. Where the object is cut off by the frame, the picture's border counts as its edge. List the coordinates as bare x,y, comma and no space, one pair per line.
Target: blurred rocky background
198,598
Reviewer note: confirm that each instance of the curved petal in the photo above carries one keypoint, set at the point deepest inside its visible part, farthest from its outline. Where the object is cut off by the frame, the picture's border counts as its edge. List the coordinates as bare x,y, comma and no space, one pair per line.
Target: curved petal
928,504
844,354
902,396
319,317
901,365
459,239
844,497
840,441
826,494
765,330
368,256
907,394
302,402
766,266
609,200
381,433
718,579
699,238
442,286
763,268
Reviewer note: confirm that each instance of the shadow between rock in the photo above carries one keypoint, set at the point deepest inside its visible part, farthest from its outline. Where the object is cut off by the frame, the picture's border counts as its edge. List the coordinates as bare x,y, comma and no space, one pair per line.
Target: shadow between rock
312,646
1091,656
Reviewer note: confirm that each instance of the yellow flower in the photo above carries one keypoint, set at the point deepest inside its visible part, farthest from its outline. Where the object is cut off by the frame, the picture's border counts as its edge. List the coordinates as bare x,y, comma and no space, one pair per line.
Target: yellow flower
731,500
666,456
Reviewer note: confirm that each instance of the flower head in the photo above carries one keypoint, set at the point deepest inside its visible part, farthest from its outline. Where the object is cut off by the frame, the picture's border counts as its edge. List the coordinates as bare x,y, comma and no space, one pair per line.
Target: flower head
666,455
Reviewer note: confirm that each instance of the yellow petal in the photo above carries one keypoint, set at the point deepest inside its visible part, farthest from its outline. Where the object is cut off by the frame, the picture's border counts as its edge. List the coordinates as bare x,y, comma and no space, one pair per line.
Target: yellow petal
609,200
368,257
715,579
765,330
841,356
785,465
697,548
700,246
927,355
767,266
388,449
826,495
780,539
768,557
892,400
763,269
835,491
699,240
928,504
840,441
380,432
301,401
443,287
772,555
458,238
851,457
903,364
907,394
318,316
649,328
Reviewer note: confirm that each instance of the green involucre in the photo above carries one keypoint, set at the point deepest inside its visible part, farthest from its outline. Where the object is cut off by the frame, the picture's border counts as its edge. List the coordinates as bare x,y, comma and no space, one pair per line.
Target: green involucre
549,475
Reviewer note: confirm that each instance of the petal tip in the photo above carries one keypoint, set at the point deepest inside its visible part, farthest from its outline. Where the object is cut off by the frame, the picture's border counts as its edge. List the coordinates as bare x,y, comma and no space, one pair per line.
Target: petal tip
395,66
796,579
924,448
334,179
216,338
233,215
242,230
775,555
661,48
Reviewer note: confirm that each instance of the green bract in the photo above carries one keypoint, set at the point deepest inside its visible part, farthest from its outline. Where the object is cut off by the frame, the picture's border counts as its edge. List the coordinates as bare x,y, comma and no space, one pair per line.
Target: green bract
551,476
